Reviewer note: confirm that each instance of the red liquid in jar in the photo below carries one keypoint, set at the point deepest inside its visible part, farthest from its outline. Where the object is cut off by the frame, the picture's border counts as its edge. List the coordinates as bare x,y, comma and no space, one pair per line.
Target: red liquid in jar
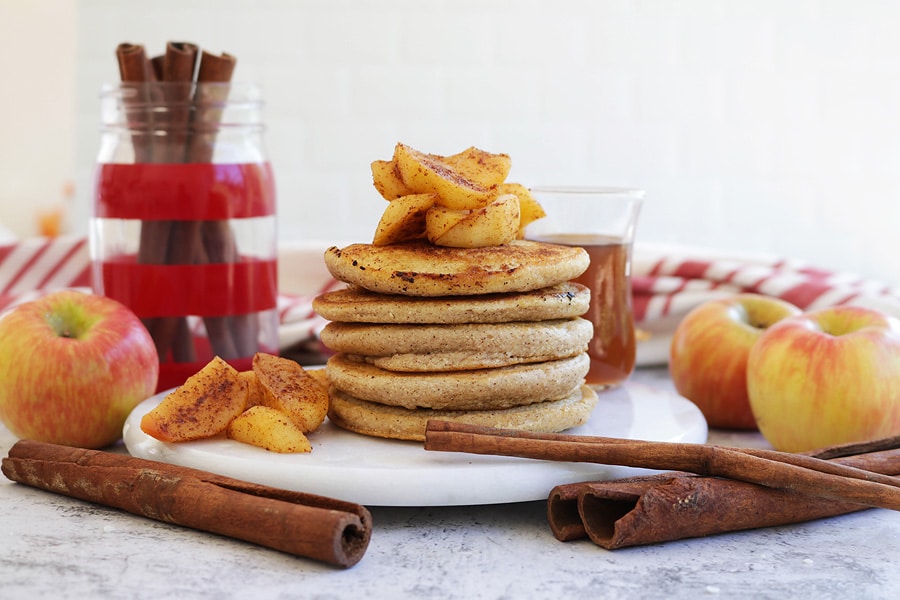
197,293
184,191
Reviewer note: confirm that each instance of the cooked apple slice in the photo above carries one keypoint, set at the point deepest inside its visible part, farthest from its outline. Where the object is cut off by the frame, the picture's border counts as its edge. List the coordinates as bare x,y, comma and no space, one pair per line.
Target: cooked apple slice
290,389
430,173
269,428
440,219
386,179
493,225
530,210
201,407
403,219
480,166
320,375
255,391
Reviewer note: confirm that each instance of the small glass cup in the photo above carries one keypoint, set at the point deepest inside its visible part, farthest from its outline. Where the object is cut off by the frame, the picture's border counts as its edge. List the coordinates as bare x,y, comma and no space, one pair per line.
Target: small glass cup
601,220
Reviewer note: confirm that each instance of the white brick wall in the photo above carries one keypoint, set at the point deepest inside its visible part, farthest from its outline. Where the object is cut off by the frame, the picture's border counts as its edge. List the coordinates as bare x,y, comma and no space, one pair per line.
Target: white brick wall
758,125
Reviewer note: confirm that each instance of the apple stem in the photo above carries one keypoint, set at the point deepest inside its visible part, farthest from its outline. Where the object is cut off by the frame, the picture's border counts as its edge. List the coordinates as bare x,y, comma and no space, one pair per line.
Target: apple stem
68,324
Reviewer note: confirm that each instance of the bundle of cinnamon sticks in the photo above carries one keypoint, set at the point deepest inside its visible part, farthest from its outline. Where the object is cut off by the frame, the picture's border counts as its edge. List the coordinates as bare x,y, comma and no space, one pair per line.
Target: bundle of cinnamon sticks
708,489
185,81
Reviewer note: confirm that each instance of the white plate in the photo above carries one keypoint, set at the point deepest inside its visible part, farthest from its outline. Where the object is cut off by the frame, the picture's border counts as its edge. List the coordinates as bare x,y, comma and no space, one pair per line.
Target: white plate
377,472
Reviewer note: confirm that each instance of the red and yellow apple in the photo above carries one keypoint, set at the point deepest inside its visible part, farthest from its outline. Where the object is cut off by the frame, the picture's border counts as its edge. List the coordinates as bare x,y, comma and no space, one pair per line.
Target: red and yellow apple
709,350
827,377
72,367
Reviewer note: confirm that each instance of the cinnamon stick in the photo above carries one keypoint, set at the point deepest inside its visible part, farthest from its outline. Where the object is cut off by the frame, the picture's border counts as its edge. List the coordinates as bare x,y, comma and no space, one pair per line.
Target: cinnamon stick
178,66
175,69
230,337
138,71
307,525
135,68
814,477
673,506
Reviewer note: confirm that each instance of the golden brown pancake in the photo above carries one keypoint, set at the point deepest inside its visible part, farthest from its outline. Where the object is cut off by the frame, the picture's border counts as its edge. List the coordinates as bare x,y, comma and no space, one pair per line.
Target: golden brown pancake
373,419
356,305
458,347
480,389
421,269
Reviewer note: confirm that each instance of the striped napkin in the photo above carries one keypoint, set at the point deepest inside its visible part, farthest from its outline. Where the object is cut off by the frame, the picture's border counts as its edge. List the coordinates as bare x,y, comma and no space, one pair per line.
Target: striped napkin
34,266
667,282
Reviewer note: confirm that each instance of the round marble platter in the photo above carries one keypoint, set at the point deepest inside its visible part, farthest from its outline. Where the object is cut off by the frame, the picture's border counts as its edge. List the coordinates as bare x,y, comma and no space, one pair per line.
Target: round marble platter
378,472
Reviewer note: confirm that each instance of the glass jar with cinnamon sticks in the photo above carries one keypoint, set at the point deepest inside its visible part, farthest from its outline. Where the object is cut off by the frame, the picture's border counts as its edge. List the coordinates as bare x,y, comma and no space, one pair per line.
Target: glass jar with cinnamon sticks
183,229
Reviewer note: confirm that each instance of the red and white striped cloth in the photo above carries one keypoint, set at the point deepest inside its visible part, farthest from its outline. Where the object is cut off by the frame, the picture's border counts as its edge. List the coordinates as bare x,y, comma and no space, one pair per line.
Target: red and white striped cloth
667,282
298,322
34,266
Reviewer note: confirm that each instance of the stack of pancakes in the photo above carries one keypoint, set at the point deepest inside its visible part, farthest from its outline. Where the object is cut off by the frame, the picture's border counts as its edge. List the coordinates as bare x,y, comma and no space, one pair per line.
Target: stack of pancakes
490,336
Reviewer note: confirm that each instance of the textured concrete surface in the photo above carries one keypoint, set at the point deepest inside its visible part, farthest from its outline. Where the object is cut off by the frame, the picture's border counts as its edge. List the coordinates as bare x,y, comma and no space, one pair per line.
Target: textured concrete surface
52,546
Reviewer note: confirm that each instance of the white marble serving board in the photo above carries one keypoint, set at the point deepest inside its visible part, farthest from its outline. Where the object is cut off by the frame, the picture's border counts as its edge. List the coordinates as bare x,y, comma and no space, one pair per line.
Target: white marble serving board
377,472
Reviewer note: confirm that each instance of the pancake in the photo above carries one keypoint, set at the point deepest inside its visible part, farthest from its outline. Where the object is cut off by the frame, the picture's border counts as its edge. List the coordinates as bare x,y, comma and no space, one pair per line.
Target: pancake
458,347
370,418
421,269
356,305
480,389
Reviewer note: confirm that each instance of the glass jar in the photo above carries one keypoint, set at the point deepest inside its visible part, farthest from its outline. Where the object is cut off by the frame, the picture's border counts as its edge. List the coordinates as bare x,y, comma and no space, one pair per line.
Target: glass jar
183,230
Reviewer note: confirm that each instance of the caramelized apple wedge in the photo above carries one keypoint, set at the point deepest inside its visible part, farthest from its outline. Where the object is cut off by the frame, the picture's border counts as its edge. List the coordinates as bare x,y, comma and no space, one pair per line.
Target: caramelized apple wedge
268,428
386,179
403,219
429,173
201,407
440,219
530,210
494,225
256,395
320,375
480,166
291,390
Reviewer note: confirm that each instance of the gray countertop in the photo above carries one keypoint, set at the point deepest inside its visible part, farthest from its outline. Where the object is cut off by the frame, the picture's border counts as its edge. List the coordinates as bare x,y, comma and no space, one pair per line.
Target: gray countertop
53,546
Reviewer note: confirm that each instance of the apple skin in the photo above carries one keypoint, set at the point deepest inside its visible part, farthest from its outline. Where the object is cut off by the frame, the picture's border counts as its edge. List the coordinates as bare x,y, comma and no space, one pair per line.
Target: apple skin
709,350
827,377
72,367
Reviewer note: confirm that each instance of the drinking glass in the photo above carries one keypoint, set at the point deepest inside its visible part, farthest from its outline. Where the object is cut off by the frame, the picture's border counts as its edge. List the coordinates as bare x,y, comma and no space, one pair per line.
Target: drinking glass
602,220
